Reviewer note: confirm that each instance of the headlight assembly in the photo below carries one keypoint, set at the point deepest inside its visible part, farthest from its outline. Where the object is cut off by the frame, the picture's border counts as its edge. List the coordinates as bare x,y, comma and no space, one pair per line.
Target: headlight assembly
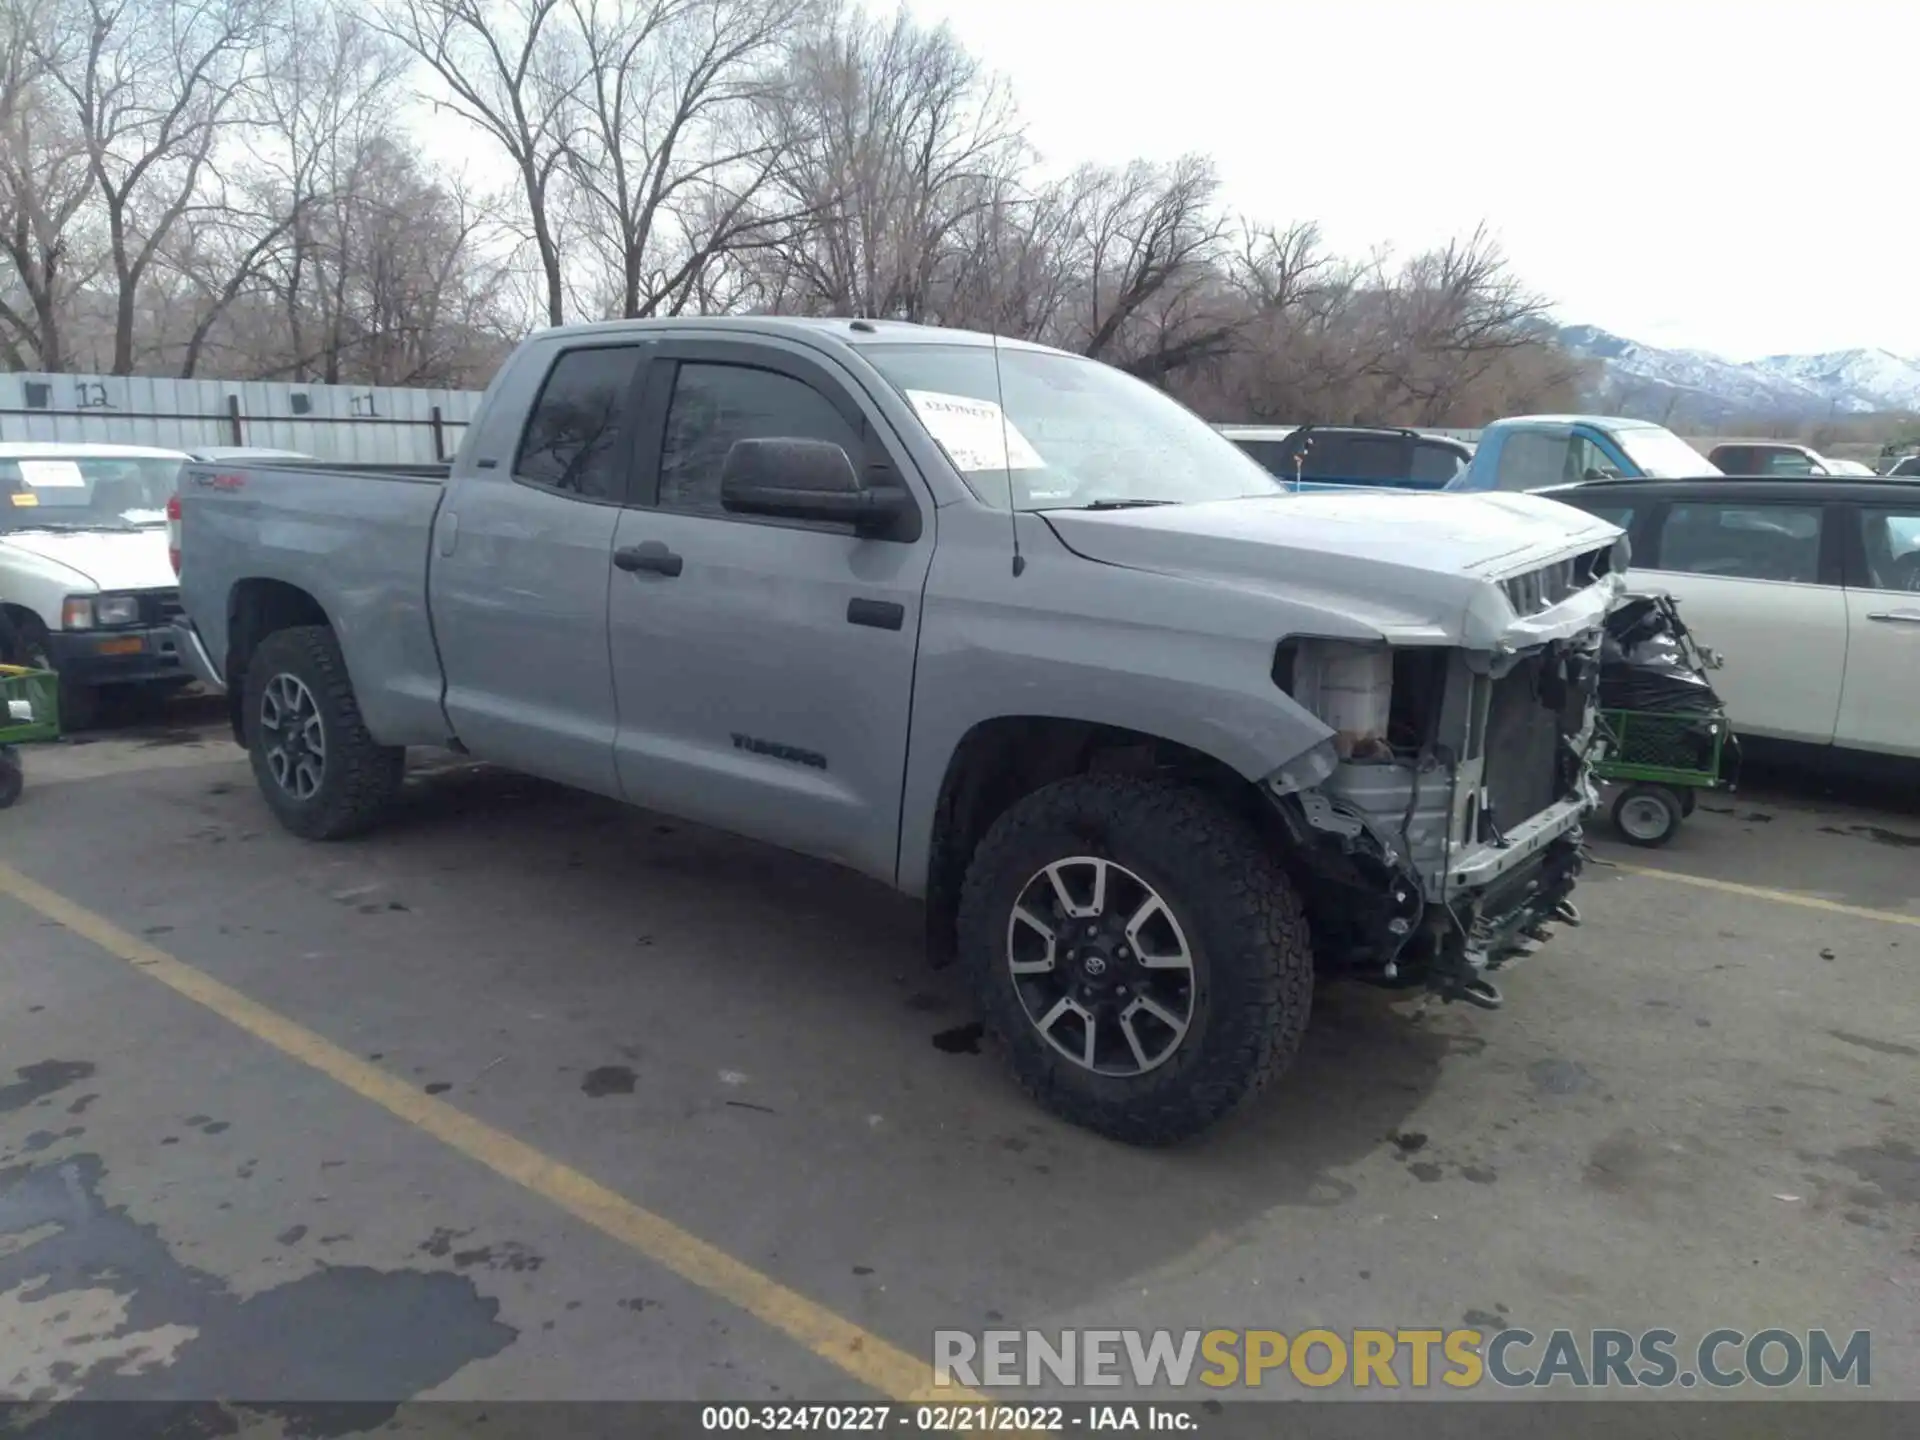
1349,688
88,612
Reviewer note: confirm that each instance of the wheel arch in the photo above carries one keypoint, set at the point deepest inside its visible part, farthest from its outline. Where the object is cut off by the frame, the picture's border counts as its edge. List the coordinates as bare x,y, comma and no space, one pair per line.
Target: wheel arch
21,621
1003,759
256,608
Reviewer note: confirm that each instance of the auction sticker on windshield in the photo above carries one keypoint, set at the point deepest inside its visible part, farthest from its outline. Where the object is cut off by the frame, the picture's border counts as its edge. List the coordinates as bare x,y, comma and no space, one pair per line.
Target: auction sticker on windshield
975,433
52,474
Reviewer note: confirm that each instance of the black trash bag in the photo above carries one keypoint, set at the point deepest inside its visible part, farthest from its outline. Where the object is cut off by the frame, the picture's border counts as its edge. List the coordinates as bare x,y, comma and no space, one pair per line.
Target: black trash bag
1647,662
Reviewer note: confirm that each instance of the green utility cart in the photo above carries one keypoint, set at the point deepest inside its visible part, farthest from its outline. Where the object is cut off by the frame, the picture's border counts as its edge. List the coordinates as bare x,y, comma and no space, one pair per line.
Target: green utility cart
1661,761
1664,734
29,712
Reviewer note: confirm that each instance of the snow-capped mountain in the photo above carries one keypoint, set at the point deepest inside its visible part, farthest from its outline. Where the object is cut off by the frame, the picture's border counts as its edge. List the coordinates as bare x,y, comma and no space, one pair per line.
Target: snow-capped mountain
1694,387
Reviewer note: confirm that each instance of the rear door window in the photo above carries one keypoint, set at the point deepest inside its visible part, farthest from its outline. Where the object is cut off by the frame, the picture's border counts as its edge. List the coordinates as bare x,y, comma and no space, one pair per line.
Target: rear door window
1892,538
1741,540
573,441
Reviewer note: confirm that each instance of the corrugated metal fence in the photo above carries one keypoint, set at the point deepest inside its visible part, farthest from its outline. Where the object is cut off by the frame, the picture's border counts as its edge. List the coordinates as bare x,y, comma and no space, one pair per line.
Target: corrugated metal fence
367,424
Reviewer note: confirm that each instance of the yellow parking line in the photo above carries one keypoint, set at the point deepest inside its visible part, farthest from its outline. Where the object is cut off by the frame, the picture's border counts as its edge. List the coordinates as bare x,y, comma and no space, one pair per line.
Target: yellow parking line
1779,897
857,1352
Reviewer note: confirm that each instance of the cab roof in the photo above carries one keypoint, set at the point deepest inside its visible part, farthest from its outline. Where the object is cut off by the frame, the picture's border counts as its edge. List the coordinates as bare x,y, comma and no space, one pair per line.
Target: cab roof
1607,422
847,330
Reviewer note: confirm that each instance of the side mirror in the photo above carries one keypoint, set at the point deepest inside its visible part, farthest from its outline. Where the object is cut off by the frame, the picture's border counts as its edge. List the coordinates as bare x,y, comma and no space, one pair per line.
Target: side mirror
790,478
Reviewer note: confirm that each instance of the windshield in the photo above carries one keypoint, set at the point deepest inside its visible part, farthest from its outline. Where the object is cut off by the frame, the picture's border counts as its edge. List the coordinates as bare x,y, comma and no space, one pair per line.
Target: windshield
74,492
1076,432
1663,455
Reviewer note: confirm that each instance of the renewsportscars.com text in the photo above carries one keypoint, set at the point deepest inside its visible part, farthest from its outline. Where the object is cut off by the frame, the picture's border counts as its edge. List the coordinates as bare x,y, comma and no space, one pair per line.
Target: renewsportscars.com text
1416,1359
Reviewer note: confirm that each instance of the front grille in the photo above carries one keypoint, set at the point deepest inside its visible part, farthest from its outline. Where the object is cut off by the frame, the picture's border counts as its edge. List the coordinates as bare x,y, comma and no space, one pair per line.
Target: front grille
159,607
1540,590
1523,745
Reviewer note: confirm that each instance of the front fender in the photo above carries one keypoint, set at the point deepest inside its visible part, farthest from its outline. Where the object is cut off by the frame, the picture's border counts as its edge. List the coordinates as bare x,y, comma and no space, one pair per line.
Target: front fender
1159,655
33,582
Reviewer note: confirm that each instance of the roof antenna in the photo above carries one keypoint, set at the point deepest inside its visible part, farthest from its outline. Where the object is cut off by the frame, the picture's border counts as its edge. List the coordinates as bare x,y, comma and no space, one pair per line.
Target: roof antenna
1006,454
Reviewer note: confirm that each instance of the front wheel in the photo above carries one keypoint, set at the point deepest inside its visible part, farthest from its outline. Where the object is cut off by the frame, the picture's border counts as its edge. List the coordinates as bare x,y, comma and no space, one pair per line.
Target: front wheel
323,776
1139,953
1647,815
79,704
13,779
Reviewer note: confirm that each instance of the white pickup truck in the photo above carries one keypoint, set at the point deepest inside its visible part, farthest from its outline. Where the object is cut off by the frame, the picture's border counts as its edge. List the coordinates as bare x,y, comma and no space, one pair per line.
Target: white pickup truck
84,575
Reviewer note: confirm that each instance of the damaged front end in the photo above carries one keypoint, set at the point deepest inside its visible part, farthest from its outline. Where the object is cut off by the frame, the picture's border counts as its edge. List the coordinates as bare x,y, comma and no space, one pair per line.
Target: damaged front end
1437,833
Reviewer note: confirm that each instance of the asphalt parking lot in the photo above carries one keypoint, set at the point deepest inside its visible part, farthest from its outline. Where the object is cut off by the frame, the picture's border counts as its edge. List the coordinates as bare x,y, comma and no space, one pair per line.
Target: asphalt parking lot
531,1096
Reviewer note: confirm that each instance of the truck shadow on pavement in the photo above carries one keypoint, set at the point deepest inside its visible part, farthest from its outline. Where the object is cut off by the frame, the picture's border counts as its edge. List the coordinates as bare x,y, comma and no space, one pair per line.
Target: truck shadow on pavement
795,930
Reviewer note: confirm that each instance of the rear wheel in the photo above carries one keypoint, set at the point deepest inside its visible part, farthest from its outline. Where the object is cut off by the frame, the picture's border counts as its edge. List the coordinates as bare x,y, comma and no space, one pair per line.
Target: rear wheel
13,779
1647,815
323,775
1138,952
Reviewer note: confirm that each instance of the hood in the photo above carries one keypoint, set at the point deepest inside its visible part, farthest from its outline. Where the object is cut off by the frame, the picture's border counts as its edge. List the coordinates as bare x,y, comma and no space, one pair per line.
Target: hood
1418,568
110,559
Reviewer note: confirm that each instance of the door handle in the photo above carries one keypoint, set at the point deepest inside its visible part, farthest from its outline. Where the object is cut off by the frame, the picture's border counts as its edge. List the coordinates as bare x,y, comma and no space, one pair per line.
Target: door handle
880,614
651,555
1897,617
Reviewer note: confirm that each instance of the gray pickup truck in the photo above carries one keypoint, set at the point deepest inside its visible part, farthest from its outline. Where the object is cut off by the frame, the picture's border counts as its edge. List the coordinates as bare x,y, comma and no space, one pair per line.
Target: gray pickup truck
1003,627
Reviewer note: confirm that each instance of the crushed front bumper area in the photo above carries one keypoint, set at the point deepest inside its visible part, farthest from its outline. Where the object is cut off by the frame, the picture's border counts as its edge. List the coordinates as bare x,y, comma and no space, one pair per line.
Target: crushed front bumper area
1438,866
1374,920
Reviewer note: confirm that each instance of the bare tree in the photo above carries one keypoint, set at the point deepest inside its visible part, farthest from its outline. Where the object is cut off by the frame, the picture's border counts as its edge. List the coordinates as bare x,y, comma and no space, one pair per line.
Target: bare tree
1448,319
149,86
1144,235
678,138
228,184
514,69
44,186
898,145
327,103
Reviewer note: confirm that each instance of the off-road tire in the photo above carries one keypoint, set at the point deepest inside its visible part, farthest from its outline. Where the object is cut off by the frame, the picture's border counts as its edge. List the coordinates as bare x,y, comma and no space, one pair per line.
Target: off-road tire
1253,957
360,778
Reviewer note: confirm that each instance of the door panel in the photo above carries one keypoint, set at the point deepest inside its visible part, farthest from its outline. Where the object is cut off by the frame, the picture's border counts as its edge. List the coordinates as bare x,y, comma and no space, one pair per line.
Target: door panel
1882,695
1747,576
763,687
519,575
1785,648
1881,701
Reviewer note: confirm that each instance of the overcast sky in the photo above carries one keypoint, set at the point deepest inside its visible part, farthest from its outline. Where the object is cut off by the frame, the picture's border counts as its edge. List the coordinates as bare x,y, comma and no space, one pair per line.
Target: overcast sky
1741,178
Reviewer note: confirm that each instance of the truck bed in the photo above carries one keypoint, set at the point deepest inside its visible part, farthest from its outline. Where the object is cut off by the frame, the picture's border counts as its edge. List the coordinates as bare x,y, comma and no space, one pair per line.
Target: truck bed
354,537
